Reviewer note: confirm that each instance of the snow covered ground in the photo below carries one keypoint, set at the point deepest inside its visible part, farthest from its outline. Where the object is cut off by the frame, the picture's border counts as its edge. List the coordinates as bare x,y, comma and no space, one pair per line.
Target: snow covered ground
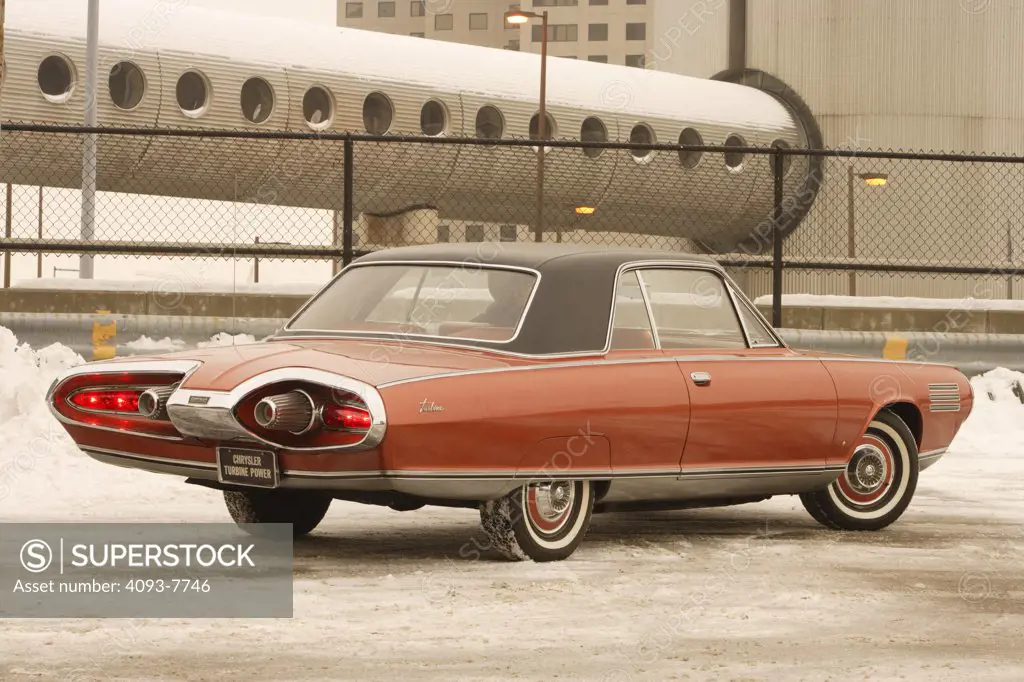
743,593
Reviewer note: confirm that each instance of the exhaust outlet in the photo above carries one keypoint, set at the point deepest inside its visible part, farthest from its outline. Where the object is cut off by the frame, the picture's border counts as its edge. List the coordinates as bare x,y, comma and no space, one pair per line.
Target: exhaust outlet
153,402
293,412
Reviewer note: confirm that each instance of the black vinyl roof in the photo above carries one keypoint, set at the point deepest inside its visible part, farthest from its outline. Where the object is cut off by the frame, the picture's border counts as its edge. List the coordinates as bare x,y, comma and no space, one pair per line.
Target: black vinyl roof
571,308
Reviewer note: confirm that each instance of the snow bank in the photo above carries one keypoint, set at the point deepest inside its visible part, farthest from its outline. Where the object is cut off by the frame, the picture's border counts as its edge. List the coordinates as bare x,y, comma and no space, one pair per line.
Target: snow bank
226,339
144,344
828,301
35,448
996,423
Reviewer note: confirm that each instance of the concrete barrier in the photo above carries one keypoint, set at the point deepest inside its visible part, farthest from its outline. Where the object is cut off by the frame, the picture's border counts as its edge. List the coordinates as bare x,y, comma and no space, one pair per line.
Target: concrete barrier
101,336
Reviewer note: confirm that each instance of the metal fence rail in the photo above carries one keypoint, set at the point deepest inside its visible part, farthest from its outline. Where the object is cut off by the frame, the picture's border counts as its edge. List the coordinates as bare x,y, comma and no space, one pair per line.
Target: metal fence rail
104,336
843,221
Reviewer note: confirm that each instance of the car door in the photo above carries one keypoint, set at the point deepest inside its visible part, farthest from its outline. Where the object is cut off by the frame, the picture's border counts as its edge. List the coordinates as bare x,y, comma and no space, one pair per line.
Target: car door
756,407
651,400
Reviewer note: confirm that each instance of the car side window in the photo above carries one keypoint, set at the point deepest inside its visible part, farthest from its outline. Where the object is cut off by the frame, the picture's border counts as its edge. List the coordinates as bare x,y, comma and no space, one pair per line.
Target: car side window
631,325
758,333
691,309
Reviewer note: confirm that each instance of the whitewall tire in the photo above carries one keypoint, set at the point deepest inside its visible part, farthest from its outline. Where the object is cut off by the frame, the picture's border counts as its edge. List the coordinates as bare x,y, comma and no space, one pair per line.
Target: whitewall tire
540,521
878,483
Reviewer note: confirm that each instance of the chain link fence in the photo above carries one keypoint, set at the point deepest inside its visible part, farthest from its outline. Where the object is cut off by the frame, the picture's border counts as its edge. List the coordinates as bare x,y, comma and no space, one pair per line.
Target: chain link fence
241,205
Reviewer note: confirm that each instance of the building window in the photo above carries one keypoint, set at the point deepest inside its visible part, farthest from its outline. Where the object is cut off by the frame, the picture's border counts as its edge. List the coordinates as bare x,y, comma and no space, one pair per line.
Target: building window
478,22
127,85
641,134
689,158
318,107
378,113
512,45
418,35
549,127
444,234
593,130
56,78
555,3
257,100
636,2
474,233
433,118
601,58
636,31
353,10
734,160
597,32
557,33
417,9
566,56
444,22
490,124
636,60
386,10
599,2
508,233
193,93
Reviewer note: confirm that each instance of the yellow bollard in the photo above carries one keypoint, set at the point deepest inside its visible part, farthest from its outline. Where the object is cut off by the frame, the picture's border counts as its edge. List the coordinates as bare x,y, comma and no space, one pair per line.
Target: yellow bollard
104,335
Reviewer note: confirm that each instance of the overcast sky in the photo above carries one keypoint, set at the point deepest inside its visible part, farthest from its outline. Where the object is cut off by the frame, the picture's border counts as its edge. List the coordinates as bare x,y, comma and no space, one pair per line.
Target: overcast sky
312,10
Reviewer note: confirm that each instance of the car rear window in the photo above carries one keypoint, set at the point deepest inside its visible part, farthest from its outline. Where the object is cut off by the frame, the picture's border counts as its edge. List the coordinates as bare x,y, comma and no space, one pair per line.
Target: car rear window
452,302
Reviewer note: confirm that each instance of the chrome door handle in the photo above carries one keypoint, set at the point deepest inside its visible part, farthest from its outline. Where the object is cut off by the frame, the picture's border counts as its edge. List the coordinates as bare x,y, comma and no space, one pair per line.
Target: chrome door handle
701,378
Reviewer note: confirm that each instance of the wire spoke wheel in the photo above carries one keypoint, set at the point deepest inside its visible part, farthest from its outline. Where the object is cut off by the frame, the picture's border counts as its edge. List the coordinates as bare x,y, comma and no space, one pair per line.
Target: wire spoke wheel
878,483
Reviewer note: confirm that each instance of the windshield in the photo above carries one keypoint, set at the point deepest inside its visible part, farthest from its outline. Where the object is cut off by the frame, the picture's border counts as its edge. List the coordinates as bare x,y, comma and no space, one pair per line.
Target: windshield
447,301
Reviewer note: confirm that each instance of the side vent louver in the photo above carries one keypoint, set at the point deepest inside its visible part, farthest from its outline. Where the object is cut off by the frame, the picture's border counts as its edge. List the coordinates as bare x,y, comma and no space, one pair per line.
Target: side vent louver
943,398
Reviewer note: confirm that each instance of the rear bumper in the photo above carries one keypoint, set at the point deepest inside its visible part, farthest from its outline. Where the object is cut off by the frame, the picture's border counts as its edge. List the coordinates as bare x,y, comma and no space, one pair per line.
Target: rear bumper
462,487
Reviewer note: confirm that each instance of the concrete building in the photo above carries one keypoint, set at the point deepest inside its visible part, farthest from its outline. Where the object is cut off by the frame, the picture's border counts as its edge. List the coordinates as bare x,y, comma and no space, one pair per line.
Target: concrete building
611,31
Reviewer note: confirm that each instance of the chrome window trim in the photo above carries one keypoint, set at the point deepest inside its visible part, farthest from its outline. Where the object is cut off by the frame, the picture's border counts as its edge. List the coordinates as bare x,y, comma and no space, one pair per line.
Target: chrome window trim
184,367
741,301
420,263
672,265
647,304
224,404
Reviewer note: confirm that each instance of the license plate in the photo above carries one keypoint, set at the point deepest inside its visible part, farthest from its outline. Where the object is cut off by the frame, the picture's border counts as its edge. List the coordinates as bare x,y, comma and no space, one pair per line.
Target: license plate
257,468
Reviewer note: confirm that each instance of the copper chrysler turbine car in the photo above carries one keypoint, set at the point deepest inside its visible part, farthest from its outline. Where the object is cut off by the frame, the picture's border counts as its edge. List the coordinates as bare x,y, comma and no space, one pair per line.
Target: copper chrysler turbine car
538,383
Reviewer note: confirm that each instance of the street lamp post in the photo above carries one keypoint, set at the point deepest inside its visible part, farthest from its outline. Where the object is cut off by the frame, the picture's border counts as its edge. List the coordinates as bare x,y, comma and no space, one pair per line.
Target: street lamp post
521,17
870,180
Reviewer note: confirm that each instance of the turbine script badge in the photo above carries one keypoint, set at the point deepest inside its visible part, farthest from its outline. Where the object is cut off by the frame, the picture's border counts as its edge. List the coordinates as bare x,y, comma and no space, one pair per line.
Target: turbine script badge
429,406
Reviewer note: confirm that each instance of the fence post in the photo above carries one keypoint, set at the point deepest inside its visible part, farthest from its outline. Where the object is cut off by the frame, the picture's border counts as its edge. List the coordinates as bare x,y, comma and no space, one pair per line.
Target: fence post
39,256
348,209
256,264
777,168
8,223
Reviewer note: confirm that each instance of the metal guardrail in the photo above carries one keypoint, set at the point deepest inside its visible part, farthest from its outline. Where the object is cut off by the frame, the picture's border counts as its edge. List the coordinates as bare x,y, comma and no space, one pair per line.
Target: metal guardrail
102,336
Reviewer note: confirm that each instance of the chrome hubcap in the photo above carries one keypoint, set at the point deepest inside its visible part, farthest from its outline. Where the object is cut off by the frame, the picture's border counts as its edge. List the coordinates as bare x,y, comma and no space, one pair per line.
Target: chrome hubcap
553,499
868,469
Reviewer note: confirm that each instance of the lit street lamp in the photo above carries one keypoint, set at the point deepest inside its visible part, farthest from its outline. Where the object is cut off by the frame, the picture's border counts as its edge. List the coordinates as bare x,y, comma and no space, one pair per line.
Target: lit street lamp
521,17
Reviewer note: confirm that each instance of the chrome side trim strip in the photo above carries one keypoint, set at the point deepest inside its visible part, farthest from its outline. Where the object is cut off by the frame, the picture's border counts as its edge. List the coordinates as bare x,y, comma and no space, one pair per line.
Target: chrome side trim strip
496,474
930,454
184,463
636,361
